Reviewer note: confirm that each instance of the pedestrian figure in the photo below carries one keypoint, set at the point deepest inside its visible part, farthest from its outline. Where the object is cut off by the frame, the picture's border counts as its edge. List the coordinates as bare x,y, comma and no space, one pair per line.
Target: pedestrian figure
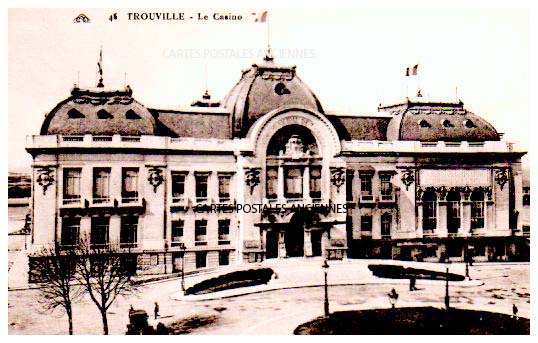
412,284
393,297
156,310
131,309
514,310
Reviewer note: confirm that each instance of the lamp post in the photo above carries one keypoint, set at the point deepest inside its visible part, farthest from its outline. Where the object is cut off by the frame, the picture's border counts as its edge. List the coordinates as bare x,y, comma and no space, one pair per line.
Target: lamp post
182,248
447,296
325,267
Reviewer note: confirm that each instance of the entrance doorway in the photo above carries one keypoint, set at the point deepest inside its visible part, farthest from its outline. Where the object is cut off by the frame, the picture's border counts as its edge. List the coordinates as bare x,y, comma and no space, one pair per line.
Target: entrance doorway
316,242
271,244
177,262
295,240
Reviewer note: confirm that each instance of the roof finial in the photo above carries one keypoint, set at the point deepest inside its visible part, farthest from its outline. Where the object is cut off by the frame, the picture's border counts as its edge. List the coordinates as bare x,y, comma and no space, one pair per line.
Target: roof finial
419,94
100,84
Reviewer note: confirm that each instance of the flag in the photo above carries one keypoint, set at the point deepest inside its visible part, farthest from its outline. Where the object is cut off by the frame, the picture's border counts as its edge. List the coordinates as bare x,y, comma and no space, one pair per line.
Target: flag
411,71
260,17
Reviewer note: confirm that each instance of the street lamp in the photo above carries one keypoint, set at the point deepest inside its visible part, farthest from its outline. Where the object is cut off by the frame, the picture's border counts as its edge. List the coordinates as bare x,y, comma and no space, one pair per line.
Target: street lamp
325,267
468,259
183,249
447,296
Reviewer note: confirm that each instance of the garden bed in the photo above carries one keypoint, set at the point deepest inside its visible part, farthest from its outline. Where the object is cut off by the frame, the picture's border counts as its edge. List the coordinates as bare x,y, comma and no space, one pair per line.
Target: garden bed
401,272
238,279
415,321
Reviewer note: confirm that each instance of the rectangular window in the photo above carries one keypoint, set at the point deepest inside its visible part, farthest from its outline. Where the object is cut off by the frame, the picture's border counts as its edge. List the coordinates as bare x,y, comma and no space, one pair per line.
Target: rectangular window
429,221
128,232
177,232
101,185
526,196
99,233
386,224
224,258
477,215
201,187
315,182
178,186
453,216
72,186
200,232
70,232
349,185
129,191
224,187
272,183
386,186
294,183
201,259
366,223
366,187
224,231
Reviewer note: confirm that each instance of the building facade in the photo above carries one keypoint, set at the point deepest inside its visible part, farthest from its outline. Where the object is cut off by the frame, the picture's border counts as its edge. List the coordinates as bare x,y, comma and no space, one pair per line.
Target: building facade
268,173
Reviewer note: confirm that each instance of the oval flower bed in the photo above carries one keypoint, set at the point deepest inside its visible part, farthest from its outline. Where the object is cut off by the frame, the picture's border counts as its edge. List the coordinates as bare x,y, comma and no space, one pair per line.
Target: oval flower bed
241,278
400,272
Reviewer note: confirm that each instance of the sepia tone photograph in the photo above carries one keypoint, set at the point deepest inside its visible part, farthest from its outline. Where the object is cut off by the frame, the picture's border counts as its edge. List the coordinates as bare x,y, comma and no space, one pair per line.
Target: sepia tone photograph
268,171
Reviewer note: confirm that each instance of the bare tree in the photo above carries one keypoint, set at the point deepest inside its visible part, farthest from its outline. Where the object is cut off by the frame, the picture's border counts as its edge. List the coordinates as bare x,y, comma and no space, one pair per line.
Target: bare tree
106,272
56,270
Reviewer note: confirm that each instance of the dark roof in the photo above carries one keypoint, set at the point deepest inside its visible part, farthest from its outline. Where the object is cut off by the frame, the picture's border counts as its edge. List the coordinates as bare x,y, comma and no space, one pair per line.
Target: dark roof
360,128
437,121
264,88
99,112
195,123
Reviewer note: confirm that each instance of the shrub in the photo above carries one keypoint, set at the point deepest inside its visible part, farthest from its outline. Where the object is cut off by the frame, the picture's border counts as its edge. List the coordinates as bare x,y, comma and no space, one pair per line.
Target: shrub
400,272
242,278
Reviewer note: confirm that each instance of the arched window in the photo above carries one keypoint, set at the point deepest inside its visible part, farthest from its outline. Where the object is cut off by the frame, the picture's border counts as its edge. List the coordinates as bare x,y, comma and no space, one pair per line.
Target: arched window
477,210
453,218
424,124
429,211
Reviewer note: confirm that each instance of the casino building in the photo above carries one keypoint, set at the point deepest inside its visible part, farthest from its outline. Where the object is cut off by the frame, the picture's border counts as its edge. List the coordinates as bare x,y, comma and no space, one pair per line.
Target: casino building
418,180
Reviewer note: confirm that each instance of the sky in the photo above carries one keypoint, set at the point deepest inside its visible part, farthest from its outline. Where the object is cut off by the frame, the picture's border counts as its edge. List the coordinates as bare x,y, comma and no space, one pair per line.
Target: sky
353,59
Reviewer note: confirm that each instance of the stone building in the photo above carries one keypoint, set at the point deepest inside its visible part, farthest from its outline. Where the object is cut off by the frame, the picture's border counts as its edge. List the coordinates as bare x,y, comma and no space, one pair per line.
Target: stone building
269,173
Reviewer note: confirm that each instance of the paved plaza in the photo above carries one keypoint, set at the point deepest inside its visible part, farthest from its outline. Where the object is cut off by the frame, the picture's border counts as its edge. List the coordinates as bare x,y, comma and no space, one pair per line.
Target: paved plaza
295,297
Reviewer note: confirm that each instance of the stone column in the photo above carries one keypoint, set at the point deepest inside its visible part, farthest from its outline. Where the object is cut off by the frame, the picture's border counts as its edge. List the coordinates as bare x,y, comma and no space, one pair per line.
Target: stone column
325,243
280,183
307,243
465,217
420,229
306,183
442,229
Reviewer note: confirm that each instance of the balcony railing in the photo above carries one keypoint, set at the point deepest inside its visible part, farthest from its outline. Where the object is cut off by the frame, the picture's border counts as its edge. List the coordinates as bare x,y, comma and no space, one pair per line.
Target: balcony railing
428,232
200,242
72,201
177,241
387,198
128,245
101,200
129,199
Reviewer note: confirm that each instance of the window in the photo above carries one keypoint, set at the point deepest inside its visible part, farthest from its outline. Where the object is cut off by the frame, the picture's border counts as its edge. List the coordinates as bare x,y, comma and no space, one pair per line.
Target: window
349,185
446,123
103,114
224,231
366,187
128,232
178,186
177,232
130,114
129,192
281,89
386,186
477,210
429,211
272,183
201,259
224,187
526,196
200,232
469,124
70,232
424,124
71,186
294,183
315,182
201,187
366,223
453,212
75,114
99,233
386,224
101,185
224,258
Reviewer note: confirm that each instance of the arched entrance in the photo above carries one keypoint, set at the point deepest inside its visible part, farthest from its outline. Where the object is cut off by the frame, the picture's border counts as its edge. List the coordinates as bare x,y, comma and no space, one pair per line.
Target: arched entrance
294,239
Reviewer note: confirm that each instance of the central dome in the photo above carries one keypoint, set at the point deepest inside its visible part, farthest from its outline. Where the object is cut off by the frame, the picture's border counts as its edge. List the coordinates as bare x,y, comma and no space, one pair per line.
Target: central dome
262,89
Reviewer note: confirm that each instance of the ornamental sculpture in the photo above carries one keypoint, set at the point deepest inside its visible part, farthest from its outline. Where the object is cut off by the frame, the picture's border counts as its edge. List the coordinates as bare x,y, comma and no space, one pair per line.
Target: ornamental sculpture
45,178
408,177
155,177
252,178
338,177
501,177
